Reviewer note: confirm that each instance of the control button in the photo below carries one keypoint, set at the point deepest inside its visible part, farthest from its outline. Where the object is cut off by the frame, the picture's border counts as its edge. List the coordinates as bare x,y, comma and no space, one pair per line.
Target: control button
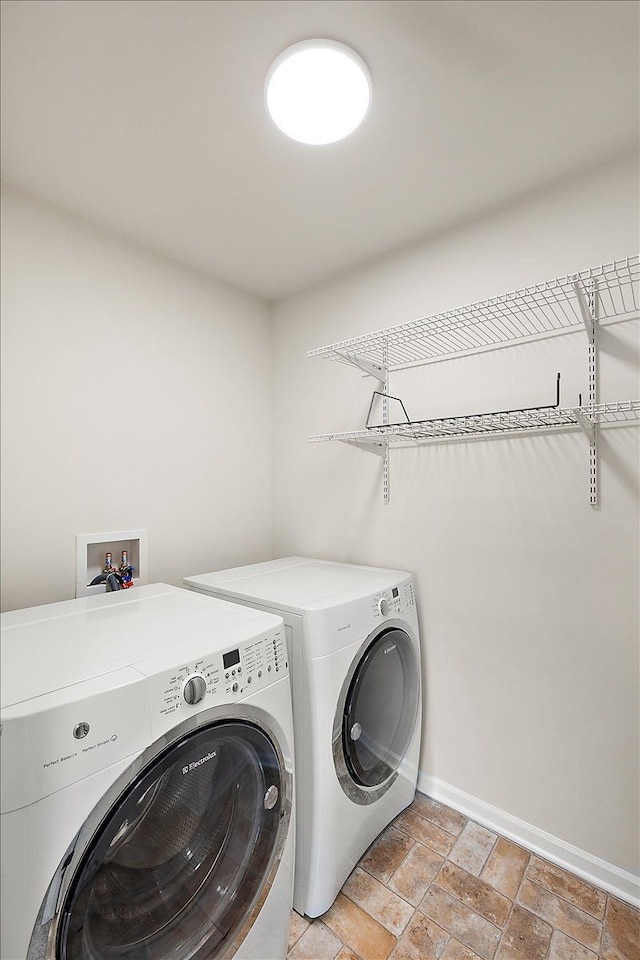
233,673
239,669
194,689
383,606
226,676
81,730
259,673
269,668
248,679
234,688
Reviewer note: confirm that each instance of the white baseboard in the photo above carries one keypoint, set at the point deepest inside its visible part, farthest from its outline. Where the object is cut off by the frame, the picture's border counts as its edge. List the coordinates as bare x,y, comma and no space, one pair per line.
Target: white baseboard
621,883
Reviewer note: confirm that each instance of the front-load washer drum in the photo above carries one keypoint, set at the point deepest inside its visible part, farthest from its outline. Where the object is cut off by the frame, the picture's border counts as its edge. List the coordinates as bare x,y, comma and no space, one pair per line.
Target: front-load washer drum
179,862
376,716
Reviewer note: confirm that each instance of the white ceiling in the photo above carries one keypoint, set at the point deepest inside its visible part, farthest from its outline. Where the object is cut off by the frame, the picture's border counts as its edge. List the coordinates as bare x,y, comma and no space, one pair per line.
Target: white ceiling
147,116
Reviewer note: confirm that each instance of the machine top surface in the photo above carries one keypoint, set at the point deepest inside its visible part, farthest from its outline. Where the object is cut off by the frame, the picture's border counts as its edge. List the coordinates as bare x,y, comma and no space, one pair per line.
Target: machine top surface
46,648
299,583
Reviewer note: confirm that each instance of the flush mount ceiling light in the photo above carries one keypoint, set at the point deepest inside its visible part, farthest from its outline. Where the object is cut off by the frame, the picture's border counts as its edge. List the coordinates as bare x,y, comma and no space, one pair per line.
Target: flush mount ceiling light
318,91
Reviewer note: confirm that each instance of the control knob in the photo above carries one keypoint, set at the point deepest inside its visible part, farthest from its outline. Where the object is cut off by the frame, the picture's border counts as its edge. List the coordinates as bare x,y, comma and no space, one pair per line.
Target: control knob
383,606
195,689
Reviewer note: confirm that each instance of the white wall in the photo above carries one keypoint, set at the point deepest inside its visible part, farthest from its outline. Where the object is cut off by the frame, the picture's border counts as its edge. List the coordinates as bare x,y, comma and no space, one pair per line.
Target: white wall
528,595
135,394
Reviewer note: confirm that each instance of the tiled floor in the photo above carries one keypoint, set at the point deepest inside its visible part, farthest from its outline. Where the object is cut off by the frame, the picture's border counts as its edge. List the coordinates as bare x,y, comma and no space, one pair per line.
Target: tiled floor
436,886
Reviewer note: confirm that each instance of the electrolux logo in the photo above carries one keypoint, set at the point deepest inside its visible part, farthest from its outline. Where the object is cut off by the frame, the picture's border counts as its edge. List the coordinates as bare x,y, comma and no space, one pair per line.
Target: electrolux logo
198,763
389,649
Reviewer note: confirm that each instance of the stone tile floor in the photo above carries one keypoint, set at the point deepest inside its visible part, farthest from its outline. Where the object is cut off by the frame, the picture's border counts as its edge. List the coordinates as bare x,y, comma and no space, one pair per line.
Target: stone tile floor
437,886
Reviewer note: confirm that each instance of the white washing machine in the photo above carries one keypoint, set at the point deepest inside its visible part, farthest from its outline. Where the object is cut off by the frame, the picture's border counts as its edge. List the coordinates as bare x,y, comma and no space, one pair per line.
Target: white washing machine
354,649
147,761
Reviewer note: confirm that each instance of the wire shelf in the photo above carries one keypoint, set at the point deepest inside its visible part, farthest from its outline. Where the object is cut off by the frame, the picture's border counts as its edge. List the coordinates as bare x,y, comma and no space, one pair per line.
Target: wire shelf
542,310
490,424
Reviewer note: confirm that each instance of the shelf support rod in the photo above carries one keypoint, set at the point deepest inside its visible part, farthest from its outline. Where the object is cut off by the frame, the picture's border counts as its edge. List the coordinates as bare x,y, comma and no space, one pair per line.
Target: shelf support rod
588,304
371,369
385,420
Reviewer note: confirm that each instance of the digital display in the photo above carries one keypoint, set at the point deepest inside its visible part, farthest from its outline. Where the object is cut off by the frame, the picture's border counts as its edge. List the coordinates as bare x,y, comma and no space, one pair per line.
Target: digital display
394,592
230,659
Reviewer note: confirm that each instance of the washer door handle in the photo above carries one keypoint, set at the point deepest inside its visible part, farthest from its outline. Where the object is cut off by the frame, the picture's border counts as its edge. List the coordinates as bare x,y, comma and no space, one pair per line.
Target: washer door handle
271,797
356,731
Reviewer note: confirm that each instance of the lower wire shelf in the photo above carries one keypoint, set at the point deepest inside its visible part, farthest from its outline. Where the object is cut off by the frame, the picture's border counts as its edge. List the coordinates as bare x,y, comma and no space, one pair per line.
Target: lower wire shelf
586,417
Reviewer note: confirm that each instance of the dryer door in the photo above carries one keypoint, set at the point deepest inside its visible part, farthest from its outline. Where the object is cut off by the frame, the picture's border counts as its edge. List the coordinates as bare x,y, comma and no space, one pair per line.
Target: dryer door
379,713
184,855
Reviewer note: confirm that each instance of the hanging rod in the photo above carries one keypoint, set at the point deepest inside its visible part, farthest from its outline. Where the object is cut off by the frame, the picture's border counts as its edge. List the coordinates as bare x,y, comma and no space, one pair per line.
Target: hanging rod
466,416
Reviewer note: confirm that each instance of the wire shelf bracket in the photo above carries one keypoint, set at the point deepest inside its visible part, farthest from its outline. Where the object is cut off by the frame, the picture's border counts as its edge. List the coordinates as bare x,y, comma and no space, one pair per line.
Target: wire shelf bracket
586,309
377,447
588,426
370,369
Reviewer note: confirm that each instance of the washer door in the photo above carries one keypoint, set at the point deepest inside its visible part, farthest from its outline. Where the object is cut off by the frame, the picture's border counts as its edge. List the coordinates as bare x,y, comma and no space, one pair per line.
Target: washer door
181,859
378,715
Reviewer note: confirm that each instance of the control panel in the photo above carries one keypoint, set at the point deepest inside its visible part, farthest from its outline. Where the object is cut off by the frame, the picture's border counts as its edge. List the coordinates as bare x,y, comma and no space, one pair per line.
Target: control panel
394,602
224,676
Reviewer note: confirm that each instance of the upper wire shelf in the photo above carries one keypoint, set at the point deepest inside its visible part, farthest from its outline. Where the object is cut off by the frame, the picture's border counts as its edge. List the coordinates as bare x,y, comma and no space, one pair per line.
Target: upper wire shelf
542,310
511,421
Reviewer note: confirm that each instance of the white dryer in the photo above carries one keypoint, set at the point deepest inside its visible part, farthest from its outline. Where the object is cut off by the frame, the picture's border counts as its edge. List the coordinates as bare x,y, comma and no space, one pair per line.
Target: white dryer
354,649
146,780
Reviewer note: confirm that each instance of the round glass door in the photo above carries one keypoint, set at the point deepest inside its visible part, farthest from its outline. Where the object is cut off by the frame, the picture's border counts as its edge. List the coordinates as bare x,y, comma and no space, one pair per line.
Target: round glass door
380,709
179,861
